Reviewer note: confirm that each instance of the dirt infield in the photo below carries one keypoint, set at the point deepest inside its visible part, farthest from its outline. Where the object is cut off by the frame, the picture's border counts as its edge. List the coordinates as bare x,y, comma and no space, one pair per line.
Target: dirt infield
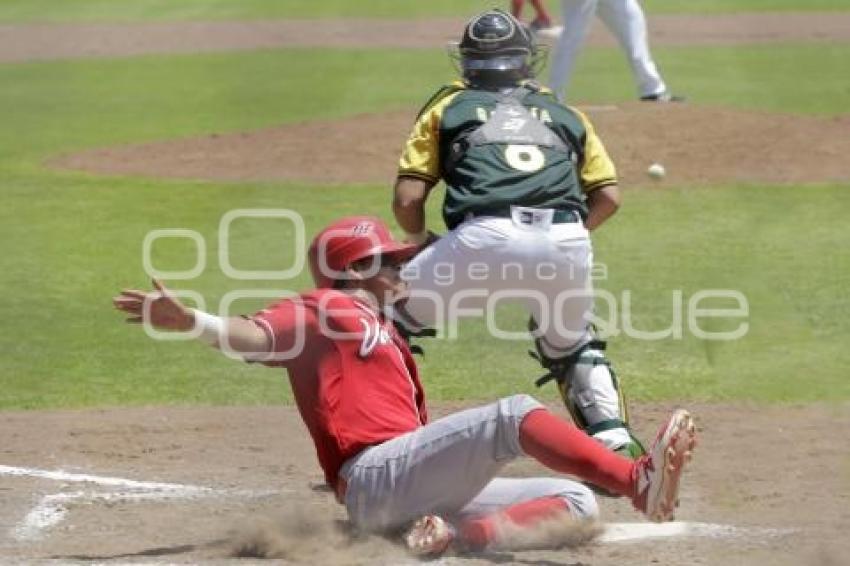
775,478
60,41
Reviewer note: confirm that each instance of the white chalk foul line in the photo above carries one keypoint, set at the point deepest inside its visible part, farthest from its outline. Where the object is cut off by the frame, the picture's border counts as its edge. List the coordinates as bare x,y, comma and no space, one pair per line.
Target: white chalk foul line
60,475
52,509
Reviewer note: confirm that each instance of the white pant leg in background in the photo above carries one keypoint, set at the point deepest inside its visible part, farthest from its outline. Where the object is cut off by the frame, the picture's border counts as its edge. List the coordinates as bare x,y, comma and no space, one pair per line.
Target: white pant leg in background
441,467
626,20
488,261
576,16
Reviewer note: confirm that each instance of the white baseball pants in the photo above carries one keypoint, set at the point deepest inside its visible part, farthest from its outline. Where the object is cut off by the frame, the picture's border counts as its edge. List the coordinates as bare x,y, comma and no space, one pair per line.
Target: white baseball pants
449,468
490,260
626,20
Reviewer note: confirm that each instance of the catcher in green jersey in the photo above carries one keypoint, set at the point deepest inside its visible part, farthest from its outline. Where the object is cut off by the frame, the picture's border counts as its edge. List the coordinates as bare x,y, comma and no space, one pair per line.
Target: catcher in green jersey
527,179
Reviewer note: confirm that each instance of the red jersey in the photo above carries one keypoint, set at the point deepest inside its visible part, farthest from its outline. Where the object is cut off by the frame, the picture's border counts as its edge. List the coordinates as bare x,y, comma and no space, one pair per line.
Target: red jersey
352,375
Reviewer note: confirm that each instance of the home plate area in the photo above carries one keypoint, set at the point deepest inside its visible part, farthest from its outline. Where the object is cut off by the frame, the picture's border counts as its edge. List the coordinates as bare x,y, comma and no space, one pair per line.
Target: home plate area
200,484
61,494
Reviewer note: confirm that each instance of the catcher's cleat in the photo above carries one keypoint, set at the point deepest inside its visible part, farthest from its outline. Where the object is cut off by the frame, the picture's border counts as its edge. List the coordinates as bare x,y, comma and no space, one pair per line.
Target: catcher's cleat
659,471
430,536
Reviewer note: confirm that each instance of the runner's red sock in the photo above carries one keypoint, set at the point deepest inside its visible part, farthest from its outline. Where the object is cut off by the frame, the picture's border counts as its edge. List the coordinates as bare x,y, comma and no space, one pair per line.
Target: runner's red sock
564,448
483,531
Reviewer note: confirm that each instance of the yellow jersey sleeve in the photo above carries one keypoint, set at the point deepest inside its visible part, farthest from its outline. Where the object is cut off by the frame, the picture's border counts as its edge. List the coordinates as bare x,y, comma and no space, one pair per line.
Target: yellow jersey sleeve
420,157
597,169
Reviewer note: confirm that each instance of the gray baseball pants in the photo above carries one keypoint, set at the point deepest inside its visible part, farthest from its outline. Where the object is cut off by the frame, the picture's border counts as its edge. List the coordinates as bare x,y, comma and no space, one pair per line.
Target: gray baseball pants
449,468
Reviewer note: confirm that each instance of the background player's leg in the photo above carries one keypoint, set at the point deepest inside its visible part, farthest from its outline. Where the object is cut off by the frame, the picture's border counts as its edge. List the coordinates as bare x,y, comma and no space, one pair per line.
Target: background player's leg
542,19
626,20
576,17
516,8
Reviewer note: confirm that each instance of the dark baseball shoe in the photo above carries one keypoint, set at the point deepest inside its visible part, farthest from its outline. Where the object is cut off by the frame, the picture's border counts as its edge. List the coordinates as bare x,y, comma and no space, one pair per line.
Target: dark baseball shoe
540,24
662,97
430,536
659,471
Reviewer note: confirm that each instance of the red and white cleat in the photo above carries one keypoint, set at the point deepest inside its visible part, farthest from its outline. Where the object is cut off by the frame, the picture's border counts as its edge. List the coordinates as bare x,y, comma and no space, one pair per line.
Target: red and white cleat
659,471
429,536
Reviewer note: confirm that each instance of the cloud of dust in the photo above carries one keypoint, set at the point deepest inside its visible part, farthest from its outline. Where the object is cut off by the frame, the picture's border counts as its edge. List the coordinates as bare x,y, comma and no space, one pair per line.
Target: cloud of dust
305,536
550,534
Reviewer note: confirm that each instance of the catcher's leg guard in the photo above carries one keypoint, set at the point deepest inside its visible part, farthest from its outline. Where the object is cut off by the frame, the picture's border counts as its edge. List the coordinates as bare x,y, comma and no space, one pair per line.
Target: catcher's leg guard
591,393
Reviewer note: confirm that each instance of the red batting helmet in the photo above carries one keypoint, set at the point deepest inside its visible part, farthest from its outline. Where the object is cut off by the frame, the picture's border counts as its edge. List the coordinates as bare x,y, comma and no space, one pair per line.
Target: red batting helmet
348,240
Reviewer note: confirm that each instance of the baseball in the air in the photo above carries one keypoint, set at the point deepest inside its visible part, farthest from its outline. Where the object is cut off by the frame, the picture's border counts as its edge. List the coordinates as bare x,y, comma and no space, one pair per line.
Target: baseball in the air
656,171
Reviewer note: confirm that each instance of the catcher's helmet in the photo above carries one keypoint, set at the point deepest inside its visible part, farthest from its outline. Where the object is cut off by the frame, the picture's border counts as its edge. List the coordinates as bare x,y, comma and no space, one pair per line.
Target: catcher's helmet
349,240
497,50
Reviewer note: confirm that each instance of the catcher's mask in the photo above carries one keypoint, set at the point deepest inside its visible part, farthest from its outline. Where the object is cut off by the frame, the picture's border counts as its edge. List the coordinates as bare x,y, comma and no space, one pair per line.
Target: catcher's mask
497,51
349,240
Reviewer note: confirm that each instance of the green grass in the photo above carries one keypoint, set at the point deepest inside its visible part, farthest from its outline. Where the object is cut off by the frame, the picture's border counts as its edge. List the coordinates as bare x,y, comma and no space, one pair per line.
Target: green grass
72,241
721,6
748,239
738,238
797,78
136,10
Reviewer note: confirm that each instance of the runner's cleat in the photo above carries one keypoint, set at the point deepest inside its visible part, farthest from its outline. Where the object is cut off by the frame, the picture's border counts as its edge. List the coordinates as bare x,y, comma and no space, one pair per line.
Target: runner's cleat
430,536
659,471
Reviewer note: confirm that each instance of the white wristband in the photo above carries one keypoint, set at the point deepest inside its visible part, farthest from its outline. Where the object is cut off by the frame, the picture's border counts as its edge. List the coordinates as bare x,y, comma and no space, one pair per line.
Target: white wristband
209,327
418,238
